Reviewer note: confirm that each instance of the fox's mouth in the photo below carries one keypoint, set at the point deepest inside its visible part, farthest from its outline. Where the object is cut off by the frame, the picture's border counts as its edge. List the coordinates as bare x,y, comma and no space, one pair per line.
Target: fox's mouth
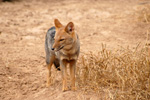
60,48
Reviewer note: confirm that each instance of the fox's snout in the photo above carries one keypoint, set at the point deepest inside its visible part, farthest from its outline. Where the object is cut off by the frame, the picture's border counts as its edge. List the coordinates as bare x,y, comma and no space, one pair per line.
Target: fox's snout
57,48
53,48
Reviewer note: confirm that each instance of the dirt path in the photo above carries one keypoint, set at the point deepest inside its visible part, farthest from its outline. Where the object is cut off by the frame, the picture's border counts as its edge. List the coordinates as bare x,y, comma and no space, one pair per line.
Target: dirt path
23,26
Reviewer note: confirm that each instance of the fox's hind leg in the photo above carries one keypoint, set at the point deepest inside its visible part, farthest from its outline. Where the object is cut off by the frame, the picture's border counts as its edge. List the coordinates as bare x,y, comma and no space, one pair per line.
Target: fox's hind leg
49,65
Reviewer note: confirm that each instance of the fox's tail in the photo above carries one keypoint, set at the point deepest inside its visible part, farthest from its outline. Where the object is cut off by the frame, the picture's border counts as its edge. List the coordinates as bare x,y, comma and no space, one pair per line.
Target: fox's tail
57,65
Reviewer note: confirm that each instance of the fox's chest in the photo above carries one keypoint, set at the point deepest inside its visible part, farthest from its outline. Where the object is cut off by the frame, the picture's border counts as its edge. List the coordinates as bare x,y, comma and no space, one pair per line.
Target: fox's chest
69,55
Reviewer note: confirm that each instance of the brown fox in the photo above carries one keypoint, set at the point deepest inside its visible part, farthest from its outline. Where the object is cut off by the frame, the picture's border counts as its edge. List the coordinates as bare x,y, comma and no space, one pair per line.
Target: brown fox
62,47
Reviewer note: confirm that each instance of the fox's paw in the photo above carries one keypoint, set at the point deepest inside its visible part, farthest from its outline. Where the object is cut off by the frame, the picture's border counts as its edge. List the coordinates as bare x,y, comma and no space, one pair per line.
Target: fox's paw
64,89
48,84
73,88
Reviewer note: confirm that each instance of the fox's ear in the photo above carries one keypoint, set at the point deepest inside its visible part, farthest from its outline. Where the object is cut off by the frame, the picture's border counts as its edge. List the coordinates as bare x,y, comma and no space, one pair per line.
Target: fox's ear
70,27
57,23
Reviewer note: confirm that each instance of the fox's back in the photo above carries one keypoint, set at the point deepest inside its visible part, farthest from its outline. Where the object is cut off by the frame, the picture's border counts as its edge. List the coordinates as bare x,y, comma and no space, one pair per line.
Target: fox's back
49,41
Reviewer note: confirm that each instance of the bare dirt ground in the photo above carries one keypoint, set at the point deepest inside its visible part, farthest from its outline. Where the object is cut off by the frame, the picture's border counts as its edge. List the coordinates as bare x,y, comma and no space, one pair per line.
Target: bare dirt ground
23,25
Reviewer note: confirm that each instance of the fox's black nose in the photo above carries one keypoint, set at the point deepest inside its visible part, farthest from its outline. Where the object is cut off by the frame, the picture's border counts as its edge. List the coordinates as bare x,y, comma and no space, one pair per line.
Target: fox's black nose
52,48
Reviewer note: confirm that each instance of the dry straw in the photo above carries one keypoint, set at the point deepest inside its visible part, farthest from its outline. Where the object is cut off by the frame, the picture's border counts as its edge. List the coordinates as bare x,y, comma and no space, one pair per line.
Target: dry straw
144,13
124,74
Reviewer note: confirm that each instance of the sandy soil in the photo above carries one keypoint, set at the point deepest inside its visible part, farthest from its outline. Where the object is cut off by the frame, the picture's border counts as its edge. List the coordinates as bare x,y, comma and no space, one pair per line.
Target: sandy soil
23,26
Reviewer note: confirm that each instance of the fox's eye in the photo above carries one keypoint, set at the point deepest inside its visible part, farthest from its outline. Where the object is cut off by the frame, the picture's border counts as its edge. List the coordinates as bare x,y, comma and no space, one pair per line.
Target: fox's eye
61,39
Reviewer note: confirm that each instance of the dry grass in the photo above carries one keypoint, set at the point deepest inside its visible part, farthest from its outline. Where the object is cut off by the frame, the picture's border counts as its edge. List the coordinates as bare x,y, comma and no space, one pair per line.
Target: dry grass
124,74
144,13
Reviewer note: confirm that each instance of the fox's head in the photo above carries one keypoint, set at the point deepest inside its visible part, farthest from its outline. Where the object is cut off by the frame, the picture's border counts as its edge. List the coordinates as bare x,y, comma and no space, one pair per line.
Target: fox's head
64,36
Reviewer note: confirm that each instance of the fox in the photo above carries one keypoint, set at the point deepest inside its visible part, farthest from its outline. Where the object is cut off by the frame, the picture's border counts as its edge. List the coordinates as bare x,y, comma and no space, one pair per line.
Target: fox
62,47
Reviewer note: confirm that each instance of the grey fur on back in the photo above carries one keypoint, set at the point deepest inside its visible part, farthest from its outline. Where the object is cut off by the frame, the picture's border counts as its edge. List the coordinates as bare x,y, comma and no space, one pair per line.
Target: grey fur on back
49,41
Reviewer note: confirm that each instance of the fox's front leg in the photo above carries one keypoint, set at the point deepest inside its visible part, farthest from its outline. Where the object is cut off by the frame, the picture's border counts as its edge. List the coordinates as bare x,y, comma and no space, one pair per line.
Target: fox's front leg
49,65
63,65
72,74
